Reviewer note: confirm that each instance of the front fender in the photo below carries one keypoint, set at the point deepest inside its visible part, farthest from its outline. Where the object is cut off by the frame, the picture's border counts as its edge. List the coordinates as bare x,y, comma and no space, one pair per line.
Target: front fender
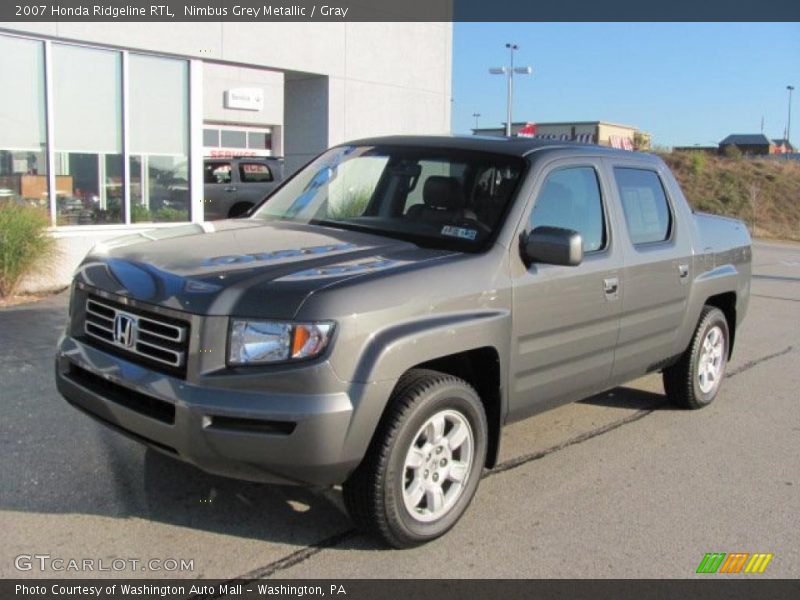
394,350
391,352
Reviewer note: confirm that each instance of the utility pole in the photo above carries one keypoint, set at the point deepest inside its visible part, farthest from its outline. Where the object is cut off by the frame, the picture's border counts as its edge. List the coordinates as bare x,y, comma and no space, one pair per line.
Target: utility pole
509,73
789,119
476,115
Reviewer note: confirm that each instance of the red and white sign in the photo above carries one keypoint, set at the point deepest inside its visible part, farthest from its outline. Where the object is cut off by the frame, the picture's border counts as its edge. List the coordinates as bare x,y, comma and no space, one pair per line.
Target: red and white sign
528,131
233,152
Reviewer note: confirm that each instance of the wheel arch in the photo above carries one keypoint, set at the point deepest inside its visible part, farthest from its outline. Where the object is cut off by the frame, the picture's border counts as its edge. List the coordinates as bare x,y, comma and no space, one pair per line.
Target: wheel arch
479,367
726,302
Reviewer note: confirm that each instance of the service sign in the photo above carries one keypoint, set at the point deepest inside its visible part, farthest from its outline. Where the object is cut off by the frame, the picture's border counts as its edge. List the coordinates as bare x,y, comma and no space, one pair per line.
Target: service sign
244,99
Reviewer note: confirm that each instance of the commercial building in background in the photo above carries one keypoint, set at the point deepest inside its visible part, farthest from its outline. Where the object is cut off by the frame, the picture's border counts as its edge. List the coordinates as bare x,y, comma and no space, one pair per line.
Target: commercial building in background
590,132
106,124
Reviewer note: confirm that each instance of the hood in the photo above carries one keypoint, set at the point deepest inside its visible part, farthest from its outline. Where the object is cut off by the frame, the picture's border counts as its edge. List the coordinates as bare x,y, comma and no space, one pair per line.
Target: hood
242,267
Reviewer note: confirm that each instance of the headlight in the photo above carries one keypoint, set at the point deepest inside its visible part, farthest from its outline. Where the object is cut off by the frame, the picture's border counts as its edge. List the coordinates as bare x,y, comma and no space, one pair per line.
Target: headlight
259,342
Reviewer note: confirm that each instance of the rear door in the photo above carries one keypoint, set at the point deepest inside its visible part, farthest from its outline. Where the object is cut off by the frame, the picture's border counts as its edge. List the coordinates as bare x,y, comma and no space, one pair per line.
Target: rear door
256,180
657,268
566,319
218,188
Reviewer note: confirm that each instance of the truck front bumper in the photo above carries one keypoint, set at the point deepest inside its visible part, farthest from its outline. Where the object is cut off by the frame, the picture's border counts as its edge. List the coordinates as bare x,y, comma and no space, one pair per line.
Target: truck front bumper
311,439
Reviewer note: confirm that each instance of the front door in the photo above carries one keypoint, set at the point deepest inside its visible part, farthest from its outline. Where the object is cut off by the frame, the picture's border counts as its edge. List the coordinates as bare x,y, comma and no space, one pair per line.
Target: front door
566,319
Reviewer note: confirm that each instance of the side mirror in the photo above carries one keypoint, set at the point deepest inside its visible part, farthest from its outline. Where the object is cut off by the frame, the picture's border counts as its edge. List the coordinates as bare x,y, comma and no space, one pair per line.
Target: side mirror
553,246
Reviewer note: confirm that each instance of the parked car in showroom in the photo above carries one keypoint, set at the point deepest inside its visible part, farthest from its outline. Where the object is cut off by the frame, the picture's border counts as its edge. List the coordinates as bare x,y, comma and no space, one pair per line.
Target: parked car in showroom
232,186
393,305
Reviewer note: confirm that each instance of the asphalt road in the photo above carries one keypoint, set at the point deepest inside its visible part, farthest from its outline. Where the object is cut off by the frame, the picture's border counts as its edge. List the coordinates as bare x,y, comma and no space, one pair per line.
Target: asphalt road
620,485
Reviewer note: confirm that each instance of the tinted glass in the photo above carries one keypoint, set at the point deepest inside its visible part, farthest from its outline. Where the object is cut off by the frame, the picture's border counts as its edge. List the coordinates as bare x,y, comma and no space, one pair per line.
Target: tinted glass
570,198
211,137
258,140
233,139
217,172
159,139
254,172
87,130
645,205
23,159
437,198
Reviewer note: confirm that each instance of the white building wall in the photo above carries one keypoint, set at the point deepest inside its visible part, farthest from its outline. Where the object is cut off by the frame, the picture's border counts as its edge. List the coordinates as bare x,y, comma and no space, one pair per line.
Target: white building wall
406,65
218,78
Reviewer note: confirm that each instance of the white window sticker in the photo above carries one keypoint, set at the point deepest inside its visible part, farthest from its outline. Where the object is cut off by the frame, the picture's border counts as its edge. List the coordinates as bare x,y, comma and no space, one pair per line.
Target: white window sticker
460,232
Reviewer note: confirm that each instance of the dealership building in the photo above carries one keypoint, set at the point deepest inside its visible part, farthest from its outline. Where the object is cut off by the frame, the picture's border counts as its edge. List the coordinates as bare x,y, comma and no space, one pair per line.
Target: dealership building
105,125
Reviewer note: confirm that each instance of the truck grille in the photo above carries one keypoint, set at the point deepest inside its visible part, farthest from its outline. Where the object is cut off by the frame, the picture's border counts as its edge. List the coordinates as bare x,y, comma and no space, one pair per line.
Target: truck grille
131,331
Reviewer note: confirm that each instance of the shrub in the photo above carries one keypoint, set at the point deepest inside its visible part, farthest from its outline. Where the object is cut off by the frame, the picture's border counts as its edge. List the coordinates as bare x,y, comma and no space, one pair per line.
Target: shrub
732,151
25,244
698,164
352,204
167,214
139,213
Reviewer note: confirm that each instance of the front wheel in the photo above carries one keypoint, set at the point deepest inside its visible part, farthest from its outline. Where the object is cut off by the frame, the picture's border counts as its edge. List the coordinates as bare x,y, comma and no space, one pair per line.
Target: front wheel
424,463
693,382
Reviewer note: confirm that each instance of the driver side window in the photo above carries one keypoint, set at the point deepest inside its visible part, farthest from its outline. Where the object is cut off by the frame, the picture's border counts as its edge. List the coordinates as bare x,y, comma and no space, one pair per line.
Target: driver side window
570,198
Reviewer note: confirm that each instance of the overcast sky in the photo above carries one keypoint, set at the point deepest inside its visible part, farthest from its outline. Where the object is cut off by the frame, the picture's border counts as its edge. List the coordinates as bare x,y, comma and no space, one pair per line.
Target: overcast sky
691,83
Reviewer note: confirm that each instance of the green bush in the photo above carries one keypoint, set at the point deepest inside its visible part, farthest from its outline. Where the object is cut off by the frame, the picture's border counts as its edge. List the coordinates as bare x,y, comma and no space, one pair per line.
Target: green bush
25,244
140,213
732,151
352,204
698,164
166,214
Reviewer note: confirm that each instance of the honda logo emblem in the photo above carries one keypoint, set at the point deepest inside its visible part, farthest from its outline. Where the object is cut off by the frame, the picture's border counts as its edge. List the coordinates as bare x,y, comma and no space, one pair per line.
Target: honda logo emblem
124,330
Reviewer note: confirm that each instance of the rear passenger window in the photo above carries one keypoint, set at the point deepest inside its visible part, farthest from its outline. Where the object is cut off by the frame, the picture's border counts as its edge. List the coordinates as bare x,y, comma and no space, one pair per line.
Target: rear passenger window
570,198
254,172
644,204
217,172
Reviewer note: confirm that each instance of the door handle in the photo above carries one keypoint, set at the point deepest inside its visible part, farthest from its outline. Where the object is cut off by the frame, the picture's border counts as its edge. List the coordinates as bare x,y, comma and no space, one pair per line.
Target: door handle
230,188
611,286
683,271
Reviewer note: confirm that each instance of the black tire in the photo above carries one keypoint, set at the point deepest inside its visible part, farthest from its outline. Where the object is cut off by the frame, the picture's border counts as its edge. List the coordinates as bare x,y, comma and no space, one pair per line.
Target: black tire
681,380
239,210
373,494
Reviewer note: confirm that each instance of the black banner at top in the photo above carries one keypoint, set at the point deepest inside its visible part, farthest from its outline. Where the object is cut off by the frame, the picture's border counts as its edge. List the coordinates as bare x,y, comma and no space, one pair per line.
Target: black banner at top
397,10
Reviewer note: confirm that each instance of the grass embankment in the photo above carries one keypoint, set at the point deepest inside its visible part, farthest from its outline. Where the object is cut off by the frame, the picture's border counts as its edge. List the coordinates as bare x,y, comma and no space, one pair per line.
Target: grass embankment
763,193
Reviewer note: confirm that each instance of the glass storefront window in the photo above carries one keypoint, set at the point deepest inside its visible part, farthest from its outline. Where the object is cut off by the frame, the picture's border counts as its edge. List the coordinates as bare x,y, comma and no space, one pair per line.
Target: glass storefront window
159,139
23,132
87,107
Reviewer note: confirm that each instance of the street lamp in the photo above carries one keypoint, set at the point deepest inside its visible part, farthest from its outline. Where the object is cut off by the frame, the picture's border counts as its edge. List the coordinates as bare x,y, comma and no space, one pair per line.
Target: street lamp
509,73
476,115
789,120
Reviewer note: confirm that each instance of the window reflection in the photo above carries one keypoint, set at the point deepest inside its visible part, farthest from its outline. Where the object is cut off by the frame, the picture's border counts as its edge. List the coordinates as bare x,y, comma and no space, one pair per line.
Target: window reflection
159,144
87,105
23,159
87,136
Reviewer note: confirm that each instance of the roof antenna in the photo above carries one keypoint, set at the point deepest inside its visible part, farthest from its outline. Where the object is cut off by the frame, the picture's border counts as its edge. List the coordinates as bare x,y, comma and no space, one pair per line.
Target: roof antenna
762,123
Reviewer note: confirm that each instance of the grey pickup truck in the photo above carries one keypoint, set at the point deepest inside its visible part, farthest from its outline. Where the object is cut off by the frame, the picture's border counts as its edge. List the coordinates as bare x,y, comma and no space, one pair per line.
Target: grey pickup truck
393,305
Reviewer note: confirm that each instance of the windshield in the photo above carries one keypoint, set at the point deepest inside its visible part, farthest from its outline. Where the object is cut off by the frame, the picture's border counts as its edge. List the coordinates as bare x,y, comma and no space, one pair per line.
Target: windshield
436,198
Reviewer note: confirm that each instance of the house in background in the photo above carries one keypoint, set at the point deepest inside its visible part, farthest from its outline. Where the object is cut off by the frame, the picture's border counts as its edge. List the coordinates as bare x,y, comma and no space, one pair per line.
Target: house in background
748,143
783,146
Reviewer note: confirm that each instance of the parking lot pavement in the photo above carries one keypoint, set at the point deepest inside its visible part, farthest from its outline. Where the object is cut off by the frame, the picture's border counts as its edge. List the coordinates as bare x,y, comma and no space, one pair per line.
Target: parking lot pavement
620,485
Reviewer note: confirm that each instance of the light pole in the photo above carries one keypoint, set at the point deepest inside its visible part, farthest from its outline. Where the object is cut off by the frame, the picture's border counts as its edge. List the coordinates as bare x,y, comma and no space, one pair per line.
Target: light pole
509,73
476,115
789,120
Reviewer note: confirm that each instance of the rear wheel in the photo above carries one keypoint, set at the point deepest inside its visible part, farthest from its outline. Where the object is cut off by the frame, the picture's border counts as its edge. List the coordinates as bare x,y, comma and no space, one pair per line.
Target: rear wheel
694,381
424,463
